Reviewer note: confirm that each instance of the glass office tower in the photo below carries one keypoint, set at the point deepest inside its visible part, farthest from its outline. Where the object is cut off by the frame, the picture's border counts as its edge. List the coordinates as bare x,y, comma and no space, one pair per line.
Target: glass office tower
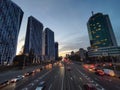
56,51
49,44
33,40
10,21
100,31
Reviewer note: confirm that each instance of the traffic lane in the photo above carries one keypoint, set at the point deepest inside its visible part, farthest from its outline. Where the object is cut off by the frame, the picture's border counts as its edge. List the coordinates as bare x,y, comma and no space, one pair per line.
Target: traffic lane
107,82
20,84
57,83
13,73
33,84
79,79
71,79
48,78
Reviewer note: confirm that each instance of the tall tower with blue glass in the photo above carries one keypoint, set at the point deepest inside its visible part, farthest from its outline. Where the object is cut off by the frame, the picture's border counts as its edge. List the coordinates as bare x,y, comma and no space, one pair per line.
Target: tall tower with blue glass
10,21
100,31
33,40
49,44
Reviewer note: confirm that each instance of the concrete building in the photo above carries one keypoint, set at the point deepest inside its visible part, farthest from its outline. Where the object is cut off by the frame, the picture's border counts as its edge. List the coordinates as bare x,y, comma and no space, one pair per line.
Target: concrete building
82,54
10,21
33,40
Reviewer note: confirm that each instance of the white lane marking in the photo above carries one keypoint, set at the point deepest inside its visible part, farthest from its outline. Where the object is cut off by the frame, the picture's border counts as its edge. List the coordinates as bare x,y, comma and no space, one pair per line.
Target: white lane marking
96,79
36,80
99,87
31,84
25,89
80,87
80,78
50,86
63,78
71,78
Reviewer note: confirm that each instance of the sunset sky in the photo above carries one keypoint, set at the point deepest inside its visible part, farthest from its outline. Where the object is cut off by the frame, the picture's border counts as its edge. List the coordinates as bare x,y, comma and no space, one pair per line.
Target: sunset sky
68,18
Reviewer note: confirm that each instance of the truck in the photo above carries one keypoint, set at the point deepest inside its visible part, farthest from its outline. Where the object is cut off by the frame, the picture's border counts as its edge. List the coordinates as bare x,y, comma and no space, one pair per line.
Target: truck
109,72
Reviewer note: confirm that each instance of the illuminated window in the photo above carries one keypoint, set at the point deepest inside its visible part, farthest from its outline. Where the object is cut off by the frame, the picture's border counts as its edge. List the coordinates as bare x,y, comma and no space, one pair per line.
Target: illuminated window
98,23
97,36
99,29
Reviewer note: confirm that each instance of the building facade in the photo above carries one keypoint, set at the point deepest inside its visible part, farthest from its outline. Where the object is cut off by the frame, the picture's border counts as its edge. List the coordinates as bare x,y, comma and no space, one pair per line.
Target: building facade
49,45
100,31
56,51
33,40
10,21
82,54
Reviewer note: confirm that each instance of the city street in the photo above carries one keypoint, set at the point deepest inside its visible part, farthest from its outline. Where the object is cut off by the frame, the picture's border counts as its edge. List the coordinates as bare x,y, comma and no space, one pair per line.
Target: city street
70,76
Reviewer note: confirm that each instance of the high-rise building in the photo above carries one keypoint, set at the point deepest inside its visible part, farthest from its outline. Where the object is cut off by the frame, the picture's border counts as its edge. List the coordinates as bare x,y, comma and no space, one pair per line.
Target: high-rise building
33,40
49,45
10,21
56,51
100,31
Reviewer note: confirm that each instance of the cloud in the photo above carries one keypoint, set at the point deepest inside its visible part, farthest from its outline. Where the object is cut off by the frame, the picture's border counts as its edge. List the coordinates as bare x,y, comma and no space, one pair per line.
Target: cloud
75,44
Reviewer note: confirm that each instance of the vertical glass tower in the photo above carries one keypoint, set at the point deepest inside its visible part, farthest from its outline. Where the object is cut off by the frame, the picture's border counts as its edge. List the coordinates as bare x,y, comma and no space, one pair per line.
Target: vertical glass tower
10,21
49,44
33,40
100,31
56,50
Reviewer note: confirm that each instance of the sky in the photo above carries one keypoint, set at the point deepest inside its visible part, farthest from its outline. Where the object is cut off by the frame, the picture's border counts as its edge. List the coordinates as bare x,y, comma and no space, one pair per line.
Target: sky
68,18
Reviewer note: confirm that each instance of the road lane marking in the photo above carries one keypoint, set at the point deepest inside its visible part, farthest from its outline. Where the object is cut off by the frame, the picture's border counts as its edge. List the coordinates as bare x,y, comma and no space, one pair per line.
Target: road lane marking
50,86
80,87
25,89
31,84
80,78
63,79
96,79
71,78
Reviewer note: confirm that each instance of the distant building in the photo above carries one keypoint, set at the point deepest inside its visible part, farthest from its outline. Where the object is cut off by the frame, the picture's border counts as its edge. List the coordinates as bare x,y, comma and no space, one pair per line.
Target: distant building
56,51
82,54
100,31
10,21
33,40
49,45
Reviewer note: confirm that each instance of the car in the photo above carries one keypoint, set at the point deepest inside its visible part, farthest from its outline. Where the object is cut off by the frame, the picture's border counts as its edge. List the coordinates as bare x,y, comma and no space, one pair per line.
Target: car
27,74
41,86
14,80
89,86
99,72
20,76
4,83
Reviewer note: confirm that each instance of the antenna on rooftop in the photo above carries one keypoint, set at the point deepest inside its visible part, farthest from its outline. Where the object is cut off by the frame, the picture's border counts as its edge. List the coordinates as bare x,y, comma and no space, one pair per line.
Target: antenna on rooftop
92,13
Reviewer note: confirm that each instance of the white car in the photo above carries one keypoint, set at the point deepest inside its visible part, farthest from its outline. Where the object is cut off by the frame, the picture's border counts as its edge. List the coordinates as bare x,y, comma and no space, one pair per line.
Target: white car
18,78
40,86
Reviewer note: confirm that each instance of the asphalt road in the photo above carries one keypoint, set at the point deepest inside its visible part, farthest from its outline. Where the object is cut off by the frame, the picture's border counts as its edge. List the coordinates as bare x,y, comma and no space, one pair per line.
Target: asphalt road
62,78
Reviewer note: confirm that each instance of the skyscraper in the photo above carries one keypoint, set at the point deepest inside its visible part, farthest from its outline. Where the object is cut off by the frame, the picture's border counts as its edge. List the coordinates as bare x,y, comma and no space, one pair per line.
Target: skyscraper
100,31
49,44
33,40
10,21
56,51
